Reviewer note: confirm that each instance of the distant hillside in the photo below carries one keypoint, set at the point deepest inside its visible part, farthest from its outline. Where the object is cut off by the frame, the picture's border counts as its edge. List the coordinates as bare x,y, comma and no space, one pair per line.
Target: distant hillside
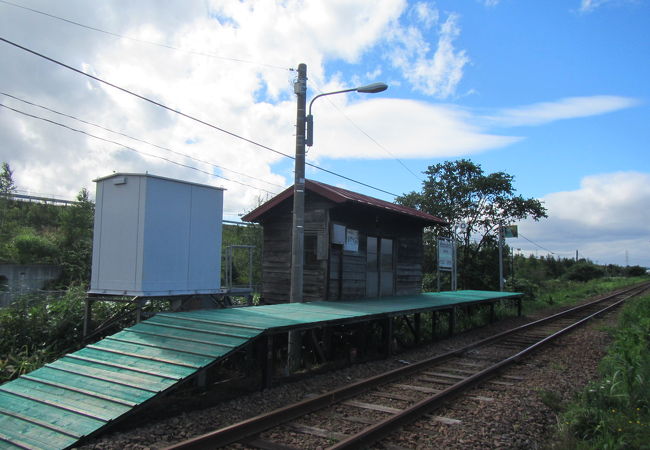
39,233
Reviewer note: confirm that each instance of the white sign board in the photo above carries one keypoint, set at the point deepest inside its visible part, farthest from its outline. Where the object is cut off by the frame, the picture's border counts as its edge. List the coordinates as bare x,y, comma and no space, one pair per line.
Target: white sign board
445,253
351,240
338,234
510,231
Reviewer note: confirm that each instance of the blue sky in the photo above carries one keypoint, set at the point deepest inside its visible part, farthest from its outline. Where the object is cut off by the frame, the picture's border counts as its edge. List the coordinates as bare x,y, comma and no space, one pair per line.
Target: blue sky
524,53
554,92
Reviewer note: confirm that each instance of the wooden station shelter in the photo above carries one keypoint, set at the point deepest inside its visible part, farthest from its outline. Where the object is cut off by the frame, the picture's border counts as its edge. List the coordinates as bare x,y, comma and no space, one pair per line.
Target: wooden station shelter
356,246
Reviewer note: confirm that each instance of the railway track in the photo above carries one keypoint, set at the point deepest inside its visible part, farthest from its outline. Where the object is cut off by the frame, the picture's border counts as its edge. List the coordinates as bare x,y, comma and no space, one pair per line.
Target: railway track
362,413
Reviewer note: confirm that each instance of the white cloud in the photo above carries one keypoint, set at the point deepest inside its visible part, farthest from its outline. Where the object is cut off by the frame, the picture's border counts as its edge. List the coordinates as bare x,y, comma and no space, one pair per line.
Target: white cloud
437,75
426,130
426,14
607,217
587,6
416,130
252,100
567,108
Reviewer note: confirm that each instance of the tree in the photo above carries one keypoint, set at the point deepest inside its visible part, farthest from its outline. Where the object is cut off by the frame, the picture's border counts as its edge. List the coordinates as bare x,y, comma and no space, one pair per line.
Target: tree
474,204
7,185
76,239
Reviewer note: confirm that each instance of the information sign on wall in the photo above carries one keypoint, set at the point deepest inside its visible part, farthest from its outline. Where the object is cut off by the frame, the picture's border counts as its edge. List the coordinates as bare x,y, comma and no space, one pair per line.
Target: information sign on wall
351,240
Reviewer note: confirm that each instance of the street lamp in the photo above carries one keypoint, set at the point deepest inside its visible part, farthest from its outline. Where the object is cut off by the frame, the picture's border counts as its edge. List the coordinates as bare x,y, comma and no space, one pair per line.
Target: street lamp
367,89
298,230
298,222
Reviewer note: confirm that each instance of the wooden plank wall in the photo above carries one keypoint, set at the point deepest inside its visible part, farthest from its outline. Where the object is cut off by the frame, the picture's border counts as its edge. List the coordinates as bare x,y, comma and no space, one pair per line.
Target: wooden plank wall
329,272
409,263
316,225
276,264
349,281
276,256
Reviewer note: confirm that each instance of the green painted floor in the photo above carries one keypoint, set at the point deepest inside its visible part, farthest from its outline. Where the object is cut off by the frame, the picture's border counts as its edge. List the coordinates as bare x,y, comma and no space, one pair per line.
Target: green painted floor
81,393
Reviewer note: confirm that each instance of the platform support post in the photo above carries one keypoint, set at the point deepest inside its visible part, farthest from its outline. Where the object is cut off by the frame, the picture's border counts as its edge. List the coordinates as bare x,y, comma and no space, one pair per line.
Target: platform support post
418,327
267,366
519,306
388,336
202,379
88,315
492,315
362,340
317,346
434,325
138,309
327,342
452,321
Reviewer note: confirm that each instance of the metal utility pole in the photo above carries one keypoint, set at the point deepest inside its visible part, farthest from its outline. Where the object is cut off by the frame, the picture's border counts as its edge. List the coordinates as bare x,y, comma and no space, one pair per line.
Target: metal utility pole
454,273
298,225
501,258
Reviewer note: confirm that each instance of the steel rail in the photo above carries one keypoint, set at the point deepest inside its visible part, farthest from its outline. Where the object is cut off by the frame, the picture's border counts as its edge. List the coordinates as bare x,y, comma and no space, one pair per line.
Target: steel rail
255,425
383,428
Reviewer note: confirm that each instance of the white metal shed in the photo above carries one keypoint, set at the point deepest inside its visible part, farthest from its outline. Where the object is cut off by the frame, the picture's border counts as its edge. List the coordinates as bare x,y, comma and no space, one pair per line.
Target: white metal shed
156,236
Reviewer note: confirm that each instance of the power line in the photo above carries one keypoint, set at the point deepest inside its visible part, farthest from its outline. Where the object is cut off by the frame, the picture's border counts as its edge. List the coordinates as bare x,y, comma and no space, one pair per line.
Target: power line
53,122
139,140
180,113
361,183
142,41
536,244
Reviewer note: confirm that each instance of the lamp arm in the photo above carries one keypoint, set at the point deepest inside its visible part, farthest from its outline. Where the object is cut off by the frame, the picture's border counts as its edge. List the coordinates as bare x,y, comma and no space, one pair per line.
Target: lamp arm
329,93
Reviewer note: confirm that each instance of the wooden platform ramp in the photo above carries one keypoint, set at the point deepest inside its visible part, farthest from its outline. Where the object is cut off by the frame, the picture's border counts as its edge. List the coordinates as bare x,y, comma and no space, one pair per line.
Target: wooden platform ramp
80,394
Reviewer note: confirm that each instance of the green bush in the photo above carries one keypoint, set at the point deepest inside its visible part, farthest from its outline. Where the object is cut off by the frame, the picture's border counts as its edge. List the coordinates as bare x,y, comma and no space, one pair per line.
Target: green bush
635,271
29,247
524,286
584,271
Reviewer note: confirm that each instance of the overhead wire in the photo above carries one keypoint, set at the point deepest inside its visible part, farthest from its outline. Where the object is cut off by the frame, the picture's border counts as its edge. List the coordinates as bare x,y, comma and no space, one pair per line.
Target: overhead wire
180,113
536,244
76,130
139,140
142,41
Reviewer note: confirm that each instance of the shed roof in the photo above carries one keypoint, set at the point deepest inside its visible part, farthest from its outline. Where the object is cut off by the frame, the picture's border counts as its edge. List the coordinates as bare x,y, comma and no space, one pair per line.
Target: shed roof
340,196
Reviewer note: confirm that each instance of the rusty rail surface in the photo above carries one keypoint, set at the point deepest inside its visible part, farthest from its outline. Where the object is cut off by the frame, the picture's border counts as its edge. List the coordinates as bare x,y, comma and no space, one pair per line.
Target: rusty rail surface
246,431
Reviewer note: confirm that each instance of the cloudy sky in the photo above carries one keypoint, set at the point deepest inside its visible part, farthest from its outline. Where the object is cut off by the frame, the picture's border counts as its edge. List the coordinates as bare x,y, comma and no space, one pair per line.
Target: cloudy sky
555,93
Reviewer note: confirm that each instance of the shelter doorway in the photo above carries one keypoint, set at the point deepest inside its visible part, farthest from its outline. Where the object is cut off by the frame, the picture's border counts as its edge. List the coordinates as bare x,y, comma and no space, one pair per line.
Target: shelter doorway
380,267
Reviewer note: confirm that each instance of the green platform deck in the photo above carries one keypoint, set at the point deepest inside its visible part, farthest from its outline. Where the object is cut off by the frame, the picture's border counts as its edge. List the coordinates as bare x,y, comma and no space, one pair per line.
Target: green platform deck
78,395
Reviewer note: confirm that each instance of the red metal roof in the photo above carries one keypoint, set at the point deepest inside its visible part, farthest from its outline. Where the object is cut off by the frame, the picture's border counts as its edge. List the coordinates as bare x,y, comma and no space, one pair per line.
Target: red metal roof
340,195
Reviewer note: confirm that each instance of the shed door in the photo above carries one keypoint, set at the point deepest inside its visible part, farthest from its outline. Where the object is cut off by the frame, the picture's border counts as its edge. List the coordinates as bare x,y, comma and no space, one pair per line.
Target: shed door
386,268
372,267
380,268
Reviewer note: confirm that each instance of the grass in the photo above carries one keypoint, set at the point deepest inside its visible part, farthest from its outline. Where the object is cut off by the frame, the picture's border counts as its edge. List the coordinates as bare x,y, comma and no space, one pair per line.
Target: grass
614,412
566,292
